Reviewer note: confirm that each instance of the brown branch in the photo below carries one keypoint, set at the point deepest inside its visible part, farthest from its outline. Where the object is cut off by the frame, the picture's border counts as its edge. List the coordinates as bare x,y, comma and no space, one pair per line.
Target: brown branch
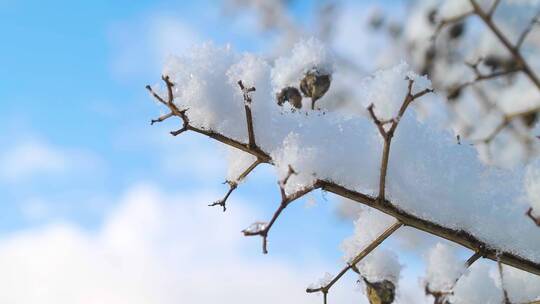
514,50
535,20
493,8
457,236
520,66
249,117
161,118
387,135
441,296
233,185
376,120
477,255
222,202
448,21
461,237
535,220
506,299
286,200
352,264
479,76
155,95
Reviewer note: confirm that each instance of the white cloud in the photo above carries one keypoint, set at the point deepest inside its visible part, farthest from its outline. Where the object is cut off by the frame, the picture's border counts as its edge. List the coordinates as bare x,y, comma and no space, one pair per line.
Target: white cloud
30,158
153,249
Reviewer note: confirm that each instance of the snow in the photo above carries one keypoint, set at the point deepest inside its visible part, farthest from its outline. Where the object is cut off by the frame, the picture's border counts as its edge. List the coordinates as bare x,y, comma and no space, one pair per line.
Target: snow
323,281
306,55
238,162
477,286
521,286
454,8
430,175
382,264
369,225
532,187
482,284
443,268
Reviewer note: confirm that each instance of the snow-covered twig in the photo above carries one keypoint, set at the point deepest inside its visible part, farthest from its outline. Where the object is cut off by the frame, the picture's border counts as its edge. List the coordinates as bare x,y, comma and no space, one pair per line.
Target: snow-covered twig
458,236
388,134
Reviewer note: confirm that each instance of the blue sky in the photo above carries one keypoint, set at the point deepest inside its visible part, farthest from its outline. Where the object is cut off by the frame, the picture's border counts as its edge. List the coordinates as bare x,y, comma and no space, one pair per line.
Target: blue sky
62,89
75,132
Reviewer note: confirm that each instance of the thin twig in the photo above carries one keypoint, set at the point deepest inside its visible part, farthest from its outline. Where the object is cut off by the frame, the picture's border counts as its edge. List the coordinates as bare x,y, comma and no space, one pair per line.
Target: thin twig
249,117
527,30
352,264
387,135
286,200
448,21
486,18
233,185
441,296
506,299
493,8
536,220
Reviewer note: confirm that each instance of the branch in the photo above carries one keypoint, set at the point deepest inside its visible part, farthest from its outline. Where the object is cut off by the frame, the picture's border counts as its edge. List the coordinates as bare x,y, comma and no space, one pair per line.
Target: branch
527,30
479,76
387,135
458,236
352,264
249,118
536,220
448,21
262,229
506,299
161,118
493,8
514,50
441,295
234,184
182,114
461,237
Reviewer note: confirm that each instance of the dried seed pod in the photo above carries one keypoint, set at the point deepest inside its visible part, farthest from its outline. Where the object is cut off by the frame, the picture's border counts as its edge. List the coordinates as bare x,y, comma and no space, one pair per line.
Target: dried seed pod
453,93
290,94
429,57
314,85
432,16
495,62
376,20
456,30
530,119
395,29
383,292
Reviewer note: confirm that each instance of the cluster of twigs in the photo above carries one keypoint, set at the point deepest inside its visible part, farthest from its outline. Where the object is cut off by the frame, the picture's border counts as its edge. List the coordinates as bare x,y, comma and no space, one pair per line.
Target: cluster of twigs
386,130
518,64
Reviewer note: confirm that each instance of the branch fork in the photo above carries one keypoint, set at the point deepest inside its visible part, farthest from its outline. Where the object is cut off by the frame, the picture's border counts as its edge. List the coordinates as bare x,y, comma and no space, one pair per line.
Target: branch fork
535,219
286,200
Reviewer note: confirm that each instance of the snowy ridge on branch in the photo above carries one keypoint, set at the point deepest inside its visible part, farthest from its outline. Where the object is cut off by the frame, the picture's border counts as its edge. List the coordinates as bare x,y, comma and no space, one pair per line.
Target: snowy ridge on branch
429,176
